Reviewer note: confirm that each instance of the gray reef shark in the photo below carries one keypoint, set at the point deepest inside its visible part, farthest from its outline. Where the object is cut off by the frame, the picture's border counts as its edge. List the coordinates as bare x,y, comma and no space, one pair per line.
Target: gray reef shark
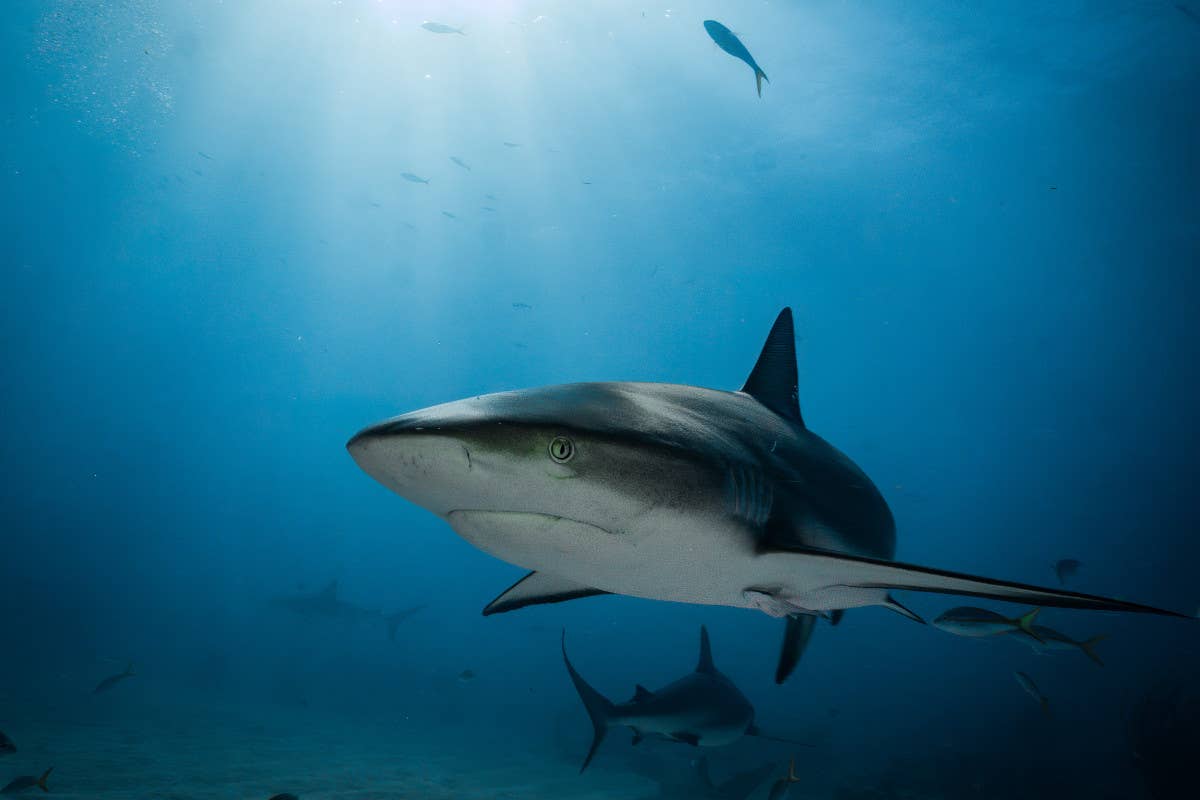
703,709
327,604
669,492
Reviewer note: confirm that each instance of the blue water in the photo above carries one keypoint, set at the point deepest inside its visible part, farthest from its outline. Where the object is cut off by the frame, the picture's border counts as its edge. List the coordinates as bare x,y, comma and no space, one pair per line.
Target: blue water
986,218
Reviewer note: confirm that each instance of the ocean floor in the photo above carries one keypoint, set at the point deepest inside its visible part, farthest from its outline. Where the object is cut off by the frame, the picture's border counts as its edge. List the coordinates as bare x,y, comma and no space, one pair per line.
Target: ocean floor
184,752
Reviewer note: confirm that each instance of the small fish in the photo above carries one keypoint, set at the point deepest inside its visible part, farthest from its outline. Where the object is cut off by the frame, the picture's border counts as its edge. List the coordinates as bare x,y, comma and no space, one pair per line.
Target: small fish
26,782
284,796
1065,568
204,155
466,675
1187,12
491,197
784,785
586,183
1050,641
487,208
1031,688
112,680
733,45
437,27
511,144
7,746
448,214
978,622
522,306
461,163
408,176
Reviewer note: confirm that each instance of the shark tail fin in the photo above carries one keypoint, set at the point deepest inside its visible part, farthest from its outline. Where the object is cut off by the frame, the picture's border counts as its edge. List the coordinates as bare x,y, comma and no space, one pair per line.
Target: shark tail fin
759,77
1087,645
599,708
1025,622
42,780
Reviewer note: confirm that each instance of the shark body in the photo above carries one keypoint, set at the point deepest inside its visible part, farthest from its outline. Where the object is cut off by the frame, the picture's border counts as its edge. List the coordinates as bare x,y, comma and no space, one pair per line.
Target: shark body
327,604
703,708
669,492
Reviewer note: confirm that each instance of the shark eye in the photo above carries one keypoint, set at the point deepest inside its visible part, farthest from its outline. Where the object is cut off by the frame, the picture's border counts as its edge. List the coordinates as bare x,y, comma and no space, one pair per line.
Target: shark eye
561,449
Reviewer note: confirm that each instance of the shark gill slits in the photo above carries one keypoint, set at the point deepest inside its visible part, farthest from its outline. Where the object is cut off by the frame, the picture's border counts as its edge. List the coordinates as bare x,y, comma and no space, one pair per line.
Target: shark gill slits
562,449
750,496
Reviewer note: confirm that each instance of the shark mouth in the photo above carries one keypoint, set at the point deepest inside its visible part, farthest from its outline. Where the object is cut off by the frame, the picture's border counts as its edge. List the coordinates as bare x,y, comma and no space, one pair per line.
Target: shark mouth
523,537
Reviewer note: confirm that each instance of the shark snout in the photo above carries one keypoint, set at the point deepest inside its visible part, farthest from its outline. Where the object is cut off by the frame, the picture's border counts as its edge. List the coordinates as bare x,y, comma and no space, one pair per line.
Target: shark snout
428,465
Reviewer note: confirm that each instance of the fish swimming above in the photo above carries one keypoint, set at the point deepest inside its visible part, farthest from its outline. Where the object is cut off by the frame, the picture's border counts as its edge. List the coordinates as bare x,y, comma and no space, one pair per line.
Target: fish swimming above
461,163
437,27
26,782
669,492
702,709
112,680
1033,691
7,745
408,176
727,41
1066,568
1047,640
979,622
326,603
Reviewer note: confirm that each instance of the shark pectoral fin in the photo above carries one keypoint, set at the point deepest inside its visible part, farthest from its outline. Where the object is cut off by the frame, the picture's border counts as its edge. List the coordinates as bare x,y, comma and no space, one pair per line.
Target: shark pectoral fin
796,634
538,588
836,615
870,573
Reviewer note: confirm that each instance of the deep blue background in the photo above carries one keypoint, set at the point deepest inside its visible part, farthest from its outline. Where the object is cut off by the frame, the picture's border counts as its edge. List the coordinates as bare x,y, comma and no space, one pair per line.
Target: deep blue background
987,220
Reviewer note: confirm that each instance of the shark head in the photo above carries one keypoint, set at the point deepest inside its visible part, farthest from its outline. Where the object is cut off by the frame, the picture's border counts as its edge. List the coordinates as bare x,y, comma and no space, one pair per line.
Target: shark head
527,473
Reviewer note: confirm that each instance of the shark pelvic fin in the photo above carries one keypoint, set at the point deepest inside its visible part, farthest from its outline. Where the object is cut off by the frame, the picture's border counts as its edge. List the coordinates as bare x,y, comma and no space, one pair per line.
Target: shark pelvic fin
796,634
774,381
538,588
892,604
705,664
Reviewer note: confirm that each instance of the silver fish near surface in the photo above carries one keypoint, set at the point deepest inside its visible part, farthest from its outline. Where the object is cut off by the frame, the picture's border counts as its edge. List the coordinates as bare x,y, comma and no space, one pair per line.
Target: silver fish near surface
730,43
438,27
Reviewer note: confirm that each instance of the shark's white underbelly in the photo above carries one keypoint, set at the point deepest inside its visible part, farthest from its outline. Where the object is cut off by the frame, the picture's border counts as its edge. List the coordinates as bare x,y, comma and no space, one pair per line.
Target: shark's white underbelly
666,557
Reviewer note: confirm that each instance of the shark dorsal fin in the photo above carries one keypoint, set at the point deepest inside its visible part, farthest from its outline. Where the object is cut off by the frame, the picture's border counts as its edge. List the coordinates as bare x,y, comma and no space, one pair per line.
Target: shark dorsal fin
773,381
330,591
641,694
706,663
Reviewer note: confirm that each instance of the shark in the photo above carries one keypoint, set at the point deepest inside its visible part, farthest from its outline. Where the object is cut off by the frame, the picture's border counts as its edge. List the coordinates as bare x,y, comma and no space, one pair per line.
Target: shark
702,709
326,603
671,492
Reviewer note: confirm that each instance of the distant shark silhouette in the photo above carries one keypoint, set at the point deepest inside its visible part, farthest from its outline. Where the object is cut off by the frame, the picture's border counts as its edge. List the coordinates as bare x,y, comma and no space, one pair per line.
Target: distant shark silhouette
670,492
703,708
327,604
